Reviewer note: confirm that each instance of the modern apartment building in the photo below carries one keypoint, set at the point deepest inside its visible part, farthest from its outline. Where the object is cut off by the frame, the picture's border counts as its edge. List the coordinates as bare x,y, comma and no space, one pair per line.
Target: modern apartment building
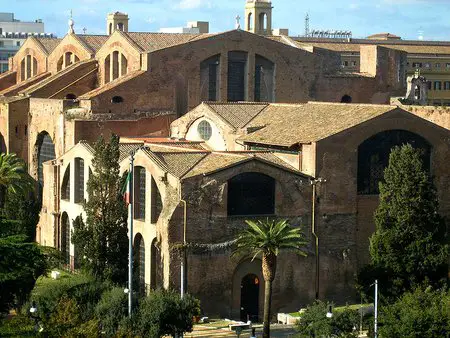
13,33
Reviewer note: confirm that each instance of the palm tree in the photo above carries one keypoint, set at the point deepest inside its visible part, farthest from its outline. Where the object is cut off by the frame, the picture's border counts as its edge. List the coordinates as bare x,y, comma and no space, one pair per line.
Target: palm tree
266,238
14,177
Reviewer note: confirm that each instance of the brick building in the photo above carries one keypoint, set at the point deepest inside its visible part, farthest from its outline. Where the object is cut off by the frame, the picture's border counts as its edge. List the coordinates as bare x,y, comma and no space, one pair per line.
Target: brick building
251,149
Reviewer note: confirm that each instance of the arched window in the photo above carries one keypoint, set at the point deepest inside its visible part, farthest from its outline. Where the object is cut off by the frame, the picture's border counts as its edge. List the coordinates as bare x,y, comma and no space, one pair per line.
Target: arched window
65,186
115,65
237,76
139,249
65,237
251,194
71,97
373,156
139,193
79,180
76,255
107,69
155,259
35,67
346,99
155,202
209,78
264,79
22,70
28,70
110,29
68,59
250,21
120,26
263,22
123,65
45,152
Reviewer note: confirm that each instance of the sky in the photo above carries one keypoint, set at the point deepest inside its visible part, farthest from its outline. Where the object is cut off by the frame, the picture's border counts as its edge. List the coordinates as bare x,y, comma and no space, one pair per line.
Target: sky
406,18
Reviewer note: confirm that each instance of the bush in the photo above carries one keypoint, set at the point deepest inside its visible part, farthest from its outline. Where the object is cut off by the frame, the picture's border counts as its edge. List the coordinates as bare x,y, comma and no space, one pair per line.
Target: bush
112,310
422,313
165,313
314,322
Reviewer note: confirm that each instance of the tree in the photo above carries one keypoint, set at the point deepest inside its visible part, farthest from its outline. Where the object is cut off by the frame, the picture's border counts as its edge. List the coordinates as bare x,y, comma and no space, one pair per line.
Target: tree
266,239
102,240
13,177
164,312
421,313
21,264
410,245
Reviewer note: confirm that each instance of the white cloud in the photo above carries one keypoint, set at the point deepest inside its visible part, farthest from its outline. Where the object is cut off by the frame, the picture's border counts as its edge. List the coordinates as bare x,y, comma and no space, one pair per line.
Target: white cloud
193,4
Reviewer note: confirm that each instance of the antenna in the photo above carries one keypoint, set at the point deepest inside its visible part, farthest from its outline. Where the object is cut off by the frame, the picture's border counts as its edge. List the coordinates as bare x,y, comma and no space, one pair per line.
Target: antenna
307,25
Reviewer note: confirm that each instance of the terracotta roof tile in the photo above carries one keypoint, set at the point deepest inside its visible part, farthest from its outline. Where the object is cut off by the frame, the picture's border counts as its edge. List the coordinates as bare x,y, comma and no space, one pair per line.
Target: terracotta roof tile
179,163
126,148
49,43
289,124
237,114
149,42
14,90
95,42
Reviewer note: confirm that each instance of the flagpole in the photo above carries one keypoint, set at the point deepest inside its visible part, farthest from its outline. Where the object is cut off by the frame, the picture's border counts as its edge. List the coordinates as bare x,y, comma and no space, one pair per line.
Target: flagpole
130,244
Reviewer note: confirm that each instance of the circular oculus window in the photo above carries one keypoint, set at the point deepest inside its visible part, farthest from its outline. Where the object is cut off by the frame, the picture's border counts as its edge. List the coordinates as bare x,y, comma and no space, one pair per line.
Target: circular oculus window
204,130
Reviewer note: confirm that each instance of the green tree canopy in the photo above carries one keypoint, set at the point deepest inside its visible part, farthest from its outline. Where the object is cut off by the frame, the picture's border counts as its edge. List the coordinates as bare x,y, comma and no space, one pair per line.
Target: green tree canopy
102,241
410,244
13,177
266,239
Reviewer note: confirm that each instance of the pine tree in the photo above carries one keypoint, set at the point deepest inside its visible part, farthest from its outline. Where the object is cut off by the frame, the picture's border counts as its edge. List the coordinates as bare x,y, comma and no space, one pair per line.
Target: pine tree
102,240
410,245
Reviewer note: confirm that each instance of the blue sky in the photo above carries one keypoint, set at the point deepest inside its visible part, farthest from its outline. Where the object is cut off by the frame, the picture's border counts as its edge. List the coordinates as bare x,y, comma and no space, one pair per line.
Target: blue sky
363,17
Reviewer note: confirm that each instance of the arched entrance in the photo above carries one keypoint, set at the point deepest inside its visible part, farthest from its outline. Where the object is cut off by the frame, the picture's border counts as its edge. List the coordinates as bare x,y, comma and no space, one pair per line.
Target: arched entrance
45,149
139,254
250,298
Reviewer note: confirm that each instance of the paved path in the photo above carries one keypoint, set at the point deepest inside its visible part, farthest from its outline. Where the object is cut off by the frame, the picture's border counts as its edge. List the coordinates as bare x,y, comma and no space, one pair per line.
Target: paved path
208,331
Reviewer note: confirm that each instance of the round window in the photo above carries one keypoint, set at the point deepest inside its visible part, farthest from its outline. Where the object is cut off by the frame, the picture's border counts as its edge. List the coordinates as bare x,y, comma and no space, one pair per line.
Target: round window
204,130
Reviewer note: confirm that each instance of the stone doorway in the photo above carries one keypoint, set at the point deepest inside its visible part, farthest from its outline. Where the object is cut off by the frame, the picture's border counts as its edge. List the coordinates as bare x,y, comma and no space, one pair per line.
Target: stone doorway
250,298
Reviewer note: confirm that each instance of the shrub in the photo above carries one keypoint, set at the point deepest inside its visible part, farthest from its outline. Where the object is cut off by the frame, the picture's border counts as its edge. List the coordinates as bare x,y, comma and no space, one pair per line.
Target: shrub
165,313
314,322
422,313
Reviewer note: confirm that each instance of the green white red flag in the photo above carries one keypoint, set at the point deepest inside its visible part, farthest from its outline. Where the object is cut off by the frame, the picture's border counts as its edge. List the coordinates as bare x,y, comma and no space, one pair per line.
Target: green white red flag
126,188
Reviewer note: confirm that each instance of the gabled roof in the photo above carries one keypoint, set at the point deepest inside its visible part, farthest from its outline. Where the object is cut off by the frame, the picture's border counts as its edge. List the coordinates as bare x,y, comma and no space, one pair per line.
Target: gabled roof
236,114
15,89
49,44
95,42
289,124
150,42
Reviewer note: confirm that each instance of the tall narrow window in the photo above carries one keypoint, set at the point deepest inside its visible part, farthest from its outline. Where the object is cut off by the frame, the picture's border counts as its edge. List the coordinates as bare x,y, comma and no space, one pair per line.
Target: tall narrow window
68,59
45,152
237,76
209,78
139,249
107,69
65,237
250,21
123,65
264,79
35,67
65,186
22,70
115,65
28,67
79,180
139,193
155,202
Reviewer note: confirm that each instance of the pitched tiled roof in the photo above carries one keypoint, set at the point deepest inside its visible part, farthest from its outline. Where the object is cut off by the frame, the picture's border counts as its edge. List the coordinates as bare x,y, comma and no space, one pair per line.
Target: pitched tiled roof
49,44
237,114
179,163
95,42
290,124
149,42
126,148
14,90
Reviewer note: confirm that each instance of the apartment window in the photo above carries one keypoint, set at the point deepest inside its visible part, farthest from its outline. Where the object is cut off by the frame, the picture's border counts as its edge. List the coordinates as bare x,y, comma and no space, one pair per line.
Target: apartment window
345,63
18,43
437,85
437,65
2,43
3,56
447,85
1,30
353,63
429,85
427,65
417,64
447,65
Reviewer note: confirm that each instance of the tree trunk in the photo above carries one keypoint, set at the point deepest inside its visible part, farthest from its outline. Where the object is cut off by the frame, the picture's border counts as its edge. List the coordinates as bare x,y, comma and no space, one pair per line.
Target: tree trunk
2,196
267,305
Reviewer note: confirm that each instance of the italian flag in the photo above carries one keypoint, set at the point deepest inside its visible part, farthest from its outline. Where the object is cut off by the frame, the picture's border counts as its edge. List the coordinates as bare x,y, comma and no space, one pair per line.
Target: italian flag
127,188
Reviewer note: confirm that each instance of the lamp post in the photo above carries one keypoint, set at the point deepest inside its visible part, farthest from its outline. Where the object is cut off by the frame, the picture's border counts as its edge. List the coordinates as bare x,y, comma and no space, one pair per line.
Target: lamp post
375,322
314,183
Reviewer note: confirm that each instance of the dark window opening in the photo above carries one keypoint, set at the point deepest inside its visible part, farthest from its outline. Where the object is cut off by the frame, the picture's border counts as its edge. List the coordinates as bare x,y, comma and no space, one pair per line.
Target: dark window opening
264,79
79,180
65,186
117,99
155,203
139,249
250,298
45,152
155,271
209,78
17,130
251,194
65,237
346,99
373,157
237,76
71,97
139,193
26,130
